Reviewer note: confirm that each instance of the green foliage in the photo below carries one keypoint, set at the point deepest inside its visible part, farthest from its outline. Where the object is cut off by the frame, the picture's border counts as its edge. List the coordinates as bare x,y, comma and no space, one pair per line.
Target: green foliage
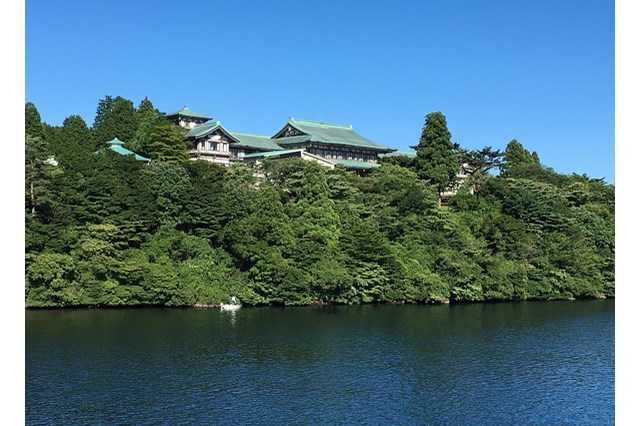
436,161
204,208
148,118
115,118
102,229
398,160
166,142
51,281
314,220
168,183
477,164
38,174
33,126
519,162
72,143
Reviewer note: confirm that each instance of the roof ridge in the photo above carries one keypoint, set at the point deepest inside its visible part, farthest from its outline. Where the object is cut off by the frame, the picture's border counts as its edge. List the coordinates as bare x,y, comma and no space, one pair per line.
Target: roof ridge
186,110
320,123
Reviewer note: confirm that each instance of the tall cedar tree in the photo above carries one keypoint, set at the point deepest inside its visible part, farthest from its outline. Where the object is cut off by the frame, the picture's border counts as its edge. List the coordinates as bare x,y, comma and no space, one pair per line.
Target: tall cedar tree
115,118
436,160
148,117
73,144
518,161
32,122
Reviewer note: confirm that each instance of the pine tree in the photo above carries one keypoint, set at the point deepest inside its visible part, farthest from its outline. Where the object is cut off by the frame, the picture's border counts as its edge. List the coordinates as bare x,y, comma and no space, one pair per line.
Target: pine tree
478,163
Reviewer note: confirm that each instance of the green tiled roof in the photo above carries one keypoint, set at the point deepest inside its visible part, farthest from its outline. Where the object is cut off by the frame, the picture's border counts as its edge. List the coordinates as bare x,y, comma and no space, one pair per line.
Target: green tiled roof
116,145
273,153
205,129
355,164
329,134
397,153
344,163
262,143
186,112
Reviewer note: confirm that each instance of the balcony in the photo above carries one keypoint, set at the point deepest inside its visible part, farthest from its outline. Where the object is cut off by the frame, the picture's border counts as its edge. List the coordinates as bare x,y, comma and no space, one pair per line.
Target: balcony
208,153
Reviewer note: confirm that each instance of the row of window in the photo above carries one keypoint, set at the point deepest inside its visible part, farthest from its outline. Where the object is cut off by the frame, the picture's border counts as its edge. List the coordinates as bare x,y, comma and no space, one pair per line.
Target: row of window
343,155
214,146
324,153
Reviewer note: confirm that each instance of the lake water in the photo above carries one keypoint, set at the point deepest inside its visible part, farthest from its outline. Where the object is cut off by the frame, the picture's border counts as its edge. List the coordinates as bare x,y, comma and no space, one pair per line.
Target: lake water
533,363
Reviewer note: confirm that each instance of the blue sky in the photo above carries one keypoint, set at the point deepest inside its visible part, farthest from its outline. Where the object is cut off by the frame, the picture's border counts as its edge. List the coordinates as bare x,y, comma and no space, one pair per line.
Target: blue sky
538,71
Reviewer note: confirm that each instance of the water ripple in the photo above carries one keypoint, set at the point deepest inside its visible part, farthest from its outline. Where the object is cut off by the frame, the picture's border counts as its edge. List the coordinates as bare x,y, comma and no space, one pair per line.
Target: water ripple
530,363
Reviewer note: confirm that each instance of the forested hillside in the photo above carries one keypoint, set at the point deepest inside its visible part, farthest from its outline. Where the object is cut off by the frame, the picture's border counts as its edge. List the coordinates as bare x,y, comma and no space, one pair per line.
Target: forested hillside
103,229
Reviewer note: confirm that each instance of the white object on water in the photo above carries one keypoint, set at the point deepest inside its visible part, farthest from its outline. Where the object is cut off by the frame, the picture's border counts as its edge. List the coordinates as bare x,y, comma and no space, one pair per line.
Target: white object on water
233,306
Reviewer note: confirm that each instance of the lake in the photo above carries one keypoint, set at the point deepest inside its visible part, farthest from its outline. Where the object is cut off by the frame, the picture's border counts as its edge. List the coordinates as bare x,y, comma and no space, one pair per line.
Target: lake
496,364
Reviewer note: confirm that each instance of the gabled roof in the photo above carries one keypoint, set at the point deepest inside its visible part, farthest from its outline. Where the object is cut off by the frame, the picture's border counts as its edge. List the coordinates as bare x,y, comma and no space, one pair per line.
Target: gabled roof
260,143
186,112
116,145
326,133
203,130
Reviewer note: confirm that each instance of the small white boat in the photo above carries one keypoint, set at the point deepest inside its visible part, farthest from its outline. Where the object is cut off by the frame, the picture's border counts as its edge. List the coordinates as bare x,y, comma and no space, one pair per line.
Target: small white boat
233,306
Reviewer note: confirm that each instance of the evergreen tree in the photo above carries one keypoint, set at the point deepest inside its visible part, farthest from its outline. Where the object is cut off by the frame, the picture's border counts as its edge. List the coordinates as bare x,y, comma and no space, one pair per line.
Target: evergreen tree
167,143
169,184
436,160
37,173
33,123
72,144
478,163
148,117
518,161
317,228
115,118
204,205
105,230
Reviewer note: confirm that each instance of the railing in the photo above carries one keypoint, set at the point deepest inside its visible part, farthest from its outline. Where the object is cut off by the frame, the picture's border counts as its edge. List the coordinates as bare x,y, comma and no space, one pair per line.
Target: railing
209,152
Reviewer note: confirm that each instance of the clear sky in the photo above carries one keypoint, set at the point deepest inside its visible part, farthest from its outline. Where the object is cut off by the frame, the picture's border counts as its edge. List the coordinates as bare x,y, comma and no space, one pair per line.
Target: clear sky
540,71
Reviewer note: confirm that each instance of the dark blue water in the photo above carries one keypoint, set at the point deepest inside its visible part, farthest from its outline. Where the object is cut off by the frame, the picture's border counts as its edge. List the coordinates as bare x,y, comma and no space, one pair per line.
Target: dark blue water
532,363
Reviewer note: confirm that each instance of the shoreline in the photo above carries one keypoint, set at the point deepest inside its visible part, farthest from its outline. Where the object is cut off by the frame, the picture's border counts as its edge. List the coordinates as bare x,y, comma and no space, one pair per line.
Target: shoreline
200,306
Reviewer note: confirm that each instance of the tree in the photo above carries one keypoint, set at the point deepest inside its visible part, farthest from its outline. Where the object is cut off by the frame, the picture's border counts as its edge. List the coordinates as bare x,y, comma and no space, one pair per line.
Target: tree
168,182
72,144
33,123
477,164
37,173
167,143
401,160
115,118
148,118
204,207
518,162
436,161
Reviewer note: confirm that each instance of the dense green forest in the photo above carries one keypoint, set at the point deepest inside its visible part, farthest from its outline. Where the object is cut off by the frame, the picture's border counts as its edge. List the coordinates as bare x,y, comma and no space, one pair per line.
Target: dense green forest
102,229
